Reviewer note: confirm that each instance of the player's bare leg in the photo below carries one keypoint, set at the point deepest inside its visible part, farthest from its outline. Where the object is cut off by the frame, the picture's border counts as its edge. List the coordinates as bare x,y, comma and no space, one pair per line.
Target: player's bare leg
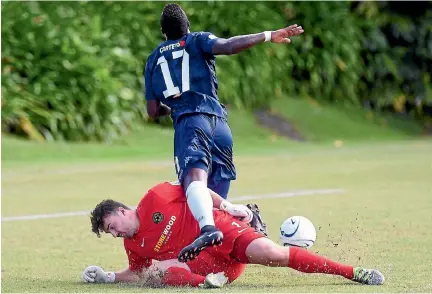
265,252
201,205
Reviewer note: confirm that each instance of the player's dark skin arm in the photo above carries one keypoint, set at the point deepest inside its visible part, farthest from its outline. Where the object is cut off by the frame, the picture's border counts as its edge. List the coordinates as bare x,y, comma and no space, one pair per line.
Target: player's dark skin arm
238,44
156,109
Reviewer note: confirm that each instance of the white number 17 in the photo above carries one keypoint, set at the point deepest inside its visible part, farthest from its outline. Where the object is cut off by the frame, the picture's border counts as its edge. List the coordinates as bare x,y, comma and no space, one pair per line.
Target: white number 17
171,89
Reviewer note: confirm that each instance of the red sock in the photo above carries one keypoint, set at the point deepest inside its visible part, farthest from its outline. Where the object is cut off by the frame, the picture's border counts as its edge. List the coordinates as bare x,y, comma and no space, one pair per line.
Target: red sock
177,276
307,262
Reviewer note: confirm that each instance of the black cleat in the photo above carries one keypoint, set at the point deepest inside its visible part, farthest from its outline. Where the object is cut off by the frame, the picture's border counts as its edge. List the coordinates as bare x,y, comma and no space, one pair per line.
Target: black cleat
256,221
209,237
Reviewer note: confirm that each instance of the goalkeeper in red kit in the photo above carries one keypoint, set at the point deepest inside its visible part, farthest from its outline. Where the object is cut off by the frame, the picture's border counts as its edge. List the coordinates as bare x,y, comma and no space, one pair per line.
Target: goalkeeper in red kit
158,229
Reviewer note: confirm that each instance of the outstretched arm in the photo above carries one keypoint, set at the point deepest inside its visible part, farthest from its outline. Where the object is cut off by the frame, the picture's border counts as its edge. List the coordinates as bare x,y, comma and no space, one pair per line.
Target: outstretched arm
126,275
238,44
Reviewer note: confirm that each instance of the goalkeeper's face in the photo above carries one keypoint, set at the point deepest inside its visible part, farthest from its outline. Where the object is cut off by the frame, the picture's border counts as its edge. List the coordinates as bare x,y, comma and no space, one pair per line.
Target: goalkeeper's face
123,223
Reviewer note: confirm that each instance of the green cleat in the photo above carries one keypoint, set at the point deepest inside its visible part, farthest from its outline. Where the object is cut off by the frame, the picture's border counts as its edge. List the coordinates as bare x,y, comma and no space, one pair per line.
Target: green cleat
368,276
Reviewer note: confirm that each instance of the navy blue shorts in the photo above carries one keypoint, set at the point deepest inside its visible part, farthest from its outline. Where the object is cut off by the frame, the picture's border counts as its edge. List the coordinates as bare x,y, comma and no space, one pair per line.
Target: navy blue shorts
204,141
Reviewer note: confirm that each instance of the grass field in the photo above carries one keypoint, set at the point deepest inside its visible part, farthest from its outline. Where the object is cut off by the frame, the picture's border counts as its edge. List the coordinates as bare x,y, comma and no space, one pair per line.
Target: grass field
320,124
381,220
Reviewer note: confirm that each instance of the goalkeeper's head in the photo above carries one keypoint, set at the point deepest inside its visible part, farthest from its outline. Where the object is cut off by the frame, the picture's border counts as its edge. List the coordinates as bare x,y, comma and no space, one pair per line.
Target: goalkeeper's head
114,218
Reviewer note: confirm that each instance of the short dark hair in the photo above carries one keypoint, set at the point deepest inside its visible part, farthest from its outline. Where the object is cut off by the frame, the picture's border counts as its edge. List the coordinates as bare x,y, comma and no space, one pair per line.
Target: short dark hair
103,209
174,22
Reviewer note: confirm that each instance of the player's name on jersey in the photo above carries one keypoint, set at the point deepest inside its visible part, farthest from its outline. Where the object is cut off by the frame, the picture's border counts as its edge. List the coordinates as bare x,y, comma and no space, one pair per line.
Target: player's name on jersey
171,46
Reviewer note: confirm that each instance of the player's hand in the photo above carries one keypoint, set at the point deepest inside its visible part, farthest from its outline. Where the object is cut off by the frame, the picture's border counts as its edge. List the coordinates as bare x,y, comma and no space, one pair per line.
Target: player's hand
237,210
283,35
95,274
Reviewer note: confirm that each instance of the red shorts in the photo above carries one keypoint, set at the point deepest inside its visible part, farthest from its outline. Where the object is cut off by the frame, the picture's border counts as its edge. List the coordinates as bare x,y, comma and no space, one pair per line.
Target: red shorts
237,237
230,257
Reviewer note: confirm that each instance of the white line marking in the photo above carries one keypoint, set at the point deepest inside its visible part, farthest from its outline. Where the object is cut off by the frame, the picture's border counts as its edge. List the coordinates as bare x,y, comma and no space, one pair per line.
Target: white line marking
234,199
289,194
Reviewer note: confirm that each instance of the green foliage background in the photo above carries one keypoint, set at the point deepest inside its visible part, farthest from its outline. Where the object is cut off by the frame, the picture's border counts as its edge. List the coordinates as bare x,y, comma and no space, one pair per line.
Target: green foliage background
73,70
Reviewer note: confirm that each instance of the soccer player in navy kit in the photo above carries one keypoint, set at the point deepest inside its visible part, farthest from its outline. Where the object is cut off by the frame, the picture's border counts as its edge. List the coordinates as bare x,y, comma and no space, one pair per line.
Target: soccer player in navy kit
180,80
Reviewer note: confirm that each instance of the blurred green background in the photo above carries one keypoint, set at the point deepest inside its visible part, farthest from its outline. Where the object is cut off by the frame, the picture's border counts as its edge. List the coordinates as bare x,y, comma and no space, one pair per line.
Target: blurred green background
346,105
72,71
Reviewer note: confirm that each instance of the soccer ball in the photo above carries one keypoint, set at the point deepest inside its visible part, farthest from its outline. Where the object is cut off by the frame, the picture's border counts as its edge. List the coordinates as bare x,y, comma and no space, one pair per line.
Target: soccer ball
297,231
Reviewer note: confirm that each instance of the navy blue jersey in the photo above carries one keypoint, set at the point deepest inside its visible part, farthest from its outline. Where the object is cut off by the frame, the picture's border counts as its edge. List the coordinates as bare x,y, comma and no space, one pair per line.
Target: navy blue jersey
181,74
